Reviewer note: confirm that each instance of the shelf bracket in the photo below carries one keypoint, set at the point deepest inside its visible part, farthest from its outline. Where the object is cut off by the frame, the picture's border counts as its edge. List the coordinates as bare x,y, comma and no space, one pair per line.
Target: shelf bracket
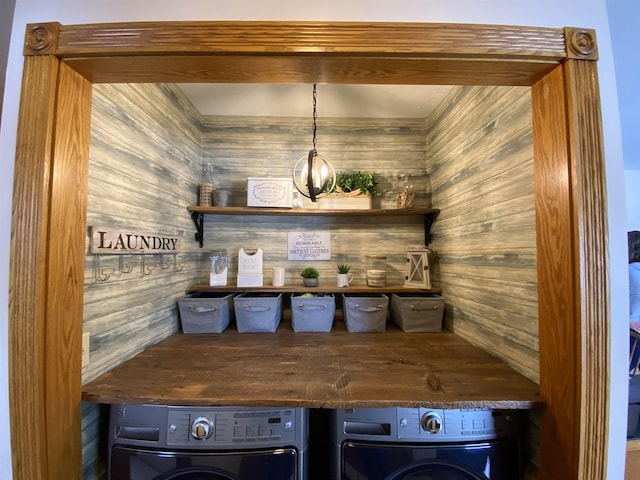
198,221
429,220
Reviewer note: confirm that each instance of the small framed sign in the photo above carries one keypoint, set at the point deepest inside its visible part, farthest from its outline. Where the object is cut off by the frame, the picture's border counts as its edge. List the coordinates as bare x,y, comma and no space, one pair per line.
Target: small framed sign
309,245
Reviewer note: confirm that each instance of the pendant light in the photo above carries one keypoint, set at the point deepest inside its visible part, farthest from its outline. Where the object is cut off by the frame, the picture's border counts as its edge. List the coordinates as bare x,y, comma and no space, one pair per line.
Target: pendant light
313,175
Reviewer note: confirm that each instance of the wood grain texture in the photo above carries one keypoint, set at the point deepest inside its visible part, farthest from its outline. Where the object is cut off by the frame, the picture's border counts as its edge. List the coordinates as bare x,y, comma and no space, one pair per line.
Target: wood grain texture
530,43
632,466
335,370
144,167
310,68
480,154
587,170
561,378
311,52
65,274
27,279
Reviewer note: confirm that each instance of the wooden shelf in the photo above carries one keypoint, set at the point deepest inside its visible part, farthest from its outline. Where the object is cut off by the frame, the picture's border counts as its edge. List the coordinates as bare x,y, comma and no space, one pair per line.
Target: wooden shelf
198,213
318,370
319,289
261,211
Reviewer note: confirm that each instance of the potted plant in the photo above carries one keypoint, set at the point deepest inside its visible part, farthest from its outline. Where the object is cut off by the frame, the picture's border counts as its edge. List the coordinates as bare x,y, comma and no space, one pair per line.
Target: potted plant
310,277
344,278
353,190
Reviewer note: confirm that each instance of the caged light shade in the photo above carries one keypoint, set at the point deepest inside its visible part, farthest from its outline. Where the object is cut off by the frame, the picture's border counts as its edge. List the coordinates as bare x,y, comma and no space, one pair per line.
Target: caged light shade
314,176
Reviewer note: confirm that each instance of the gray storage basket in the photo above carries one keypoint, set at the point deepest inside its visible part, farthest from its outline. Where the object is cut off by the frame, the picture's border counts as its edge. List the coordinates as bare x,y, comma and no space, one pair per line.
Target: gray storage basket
205,312
312,314
417,313
258,312
366,312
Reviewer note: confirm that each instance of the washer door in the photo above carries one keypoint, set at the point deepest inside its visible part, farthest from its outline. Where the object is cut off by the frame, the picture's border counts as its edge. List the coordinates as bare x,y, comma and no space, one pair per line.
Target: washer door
494,460
436,470
129,463
196,473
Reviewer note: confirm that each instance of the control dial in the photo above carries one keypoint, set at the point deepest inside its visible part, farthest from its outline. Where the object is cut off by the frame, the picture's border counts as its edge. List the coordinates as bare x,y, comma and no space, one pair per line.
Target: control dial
202,428
431,422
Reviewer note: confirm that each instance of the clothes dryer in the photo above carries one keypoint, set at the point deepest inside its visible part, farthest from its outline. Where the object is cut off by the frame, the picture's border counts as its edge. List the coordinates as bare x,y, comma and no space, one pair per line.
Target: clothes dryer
158,442
425,444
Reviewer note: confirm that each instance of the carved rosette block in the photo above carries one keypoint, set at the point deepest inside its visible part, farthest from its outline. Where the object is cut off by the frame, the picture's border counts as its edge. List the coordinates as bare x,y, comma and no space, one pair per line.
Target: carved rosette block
41,38
581,43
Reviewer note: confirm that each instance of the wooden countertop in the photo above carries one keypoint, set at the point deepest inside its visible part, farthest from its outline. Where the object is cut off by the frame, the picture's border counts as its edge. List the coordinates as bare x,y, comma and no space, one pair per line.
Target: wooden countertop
318,370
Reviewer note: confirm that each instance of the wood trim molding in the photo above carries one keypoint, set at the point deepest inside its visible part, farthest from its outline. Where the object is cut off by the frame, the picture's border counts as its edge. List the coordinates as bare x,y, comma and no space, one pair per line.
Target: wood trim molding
572,250
586,154
335,38
558,317
581,43
41,39
65,274
27,270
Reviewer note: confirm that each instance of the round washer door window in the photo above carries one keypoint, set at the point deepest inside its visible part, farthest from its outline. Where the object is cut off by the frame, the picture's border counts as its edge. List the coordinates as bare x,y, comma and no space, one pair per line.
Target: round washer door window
197,473
436,470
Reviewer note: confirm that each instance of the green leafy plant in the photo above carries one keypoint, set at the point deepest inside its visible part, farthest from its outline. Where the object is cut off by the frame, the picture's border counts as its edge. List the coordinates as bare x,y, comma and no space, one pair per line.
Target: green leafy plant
310,272
343,268
363,182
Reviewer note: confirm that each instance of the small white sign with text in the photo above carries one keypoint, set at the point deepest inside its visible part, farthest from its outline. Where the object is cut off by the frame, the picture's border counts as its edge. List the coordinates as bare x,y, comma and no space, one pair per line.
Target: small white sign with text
309,245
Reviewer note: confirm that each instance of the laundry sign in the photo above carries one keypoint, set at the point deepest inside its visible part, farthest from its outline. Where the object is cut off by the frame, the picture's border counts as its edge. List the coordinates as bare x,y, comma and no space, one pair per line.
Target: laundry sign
110,241
309,245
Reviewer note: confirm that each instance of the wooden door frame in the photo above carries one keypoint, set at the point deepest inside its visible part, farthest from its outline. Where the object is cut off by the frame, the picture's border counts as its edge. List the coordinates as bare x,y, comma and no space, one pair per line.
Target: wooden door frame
49,203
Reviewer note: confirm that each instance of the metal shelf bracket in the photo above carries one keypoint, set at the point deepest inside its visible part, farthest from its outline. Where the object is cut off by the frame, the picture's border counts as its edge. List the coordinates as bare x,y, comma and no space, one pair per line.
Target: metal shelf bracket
429,220
198,221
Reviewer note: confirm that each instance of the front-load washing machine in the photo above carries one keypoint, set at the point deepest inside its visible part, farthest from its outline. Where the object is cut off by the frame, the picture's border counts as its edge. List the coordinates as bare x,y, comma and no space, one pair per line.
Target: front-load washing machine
159,442
425,444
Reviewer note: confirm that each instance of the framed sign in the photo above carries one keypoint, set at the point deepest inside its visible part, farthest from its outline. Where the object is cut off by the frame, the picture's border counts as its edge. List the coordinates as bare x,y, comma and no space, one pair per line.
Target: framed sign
116,242
309,245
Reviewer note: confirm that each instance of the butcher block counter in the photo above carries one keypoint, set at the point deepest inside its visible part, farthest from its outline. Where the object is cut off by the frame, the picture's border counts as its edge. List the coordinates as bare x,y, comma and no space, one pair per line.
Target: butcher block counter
319,370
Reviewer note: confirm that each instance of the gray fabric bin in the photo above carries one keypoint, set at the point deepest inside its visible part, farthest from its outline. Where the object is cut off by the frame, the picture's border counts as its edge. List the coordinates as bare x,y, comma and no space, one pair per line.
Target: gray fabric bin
417,312
312,314
258,312
205,313
365,312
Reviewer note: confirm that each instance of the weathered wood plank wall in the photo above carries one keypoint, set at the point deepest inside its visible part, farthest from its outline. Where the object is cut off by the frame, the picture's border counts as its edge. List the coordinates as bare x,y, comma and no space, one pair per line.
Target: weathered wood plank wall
145,162
480,153
480,150
242,147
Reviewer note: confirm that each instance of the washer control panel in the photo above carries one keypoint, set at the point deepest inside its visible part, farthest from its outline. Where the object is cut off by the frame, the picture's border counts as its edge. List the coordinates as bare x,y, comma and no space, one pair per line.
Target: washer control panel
454,424
423,425
215,427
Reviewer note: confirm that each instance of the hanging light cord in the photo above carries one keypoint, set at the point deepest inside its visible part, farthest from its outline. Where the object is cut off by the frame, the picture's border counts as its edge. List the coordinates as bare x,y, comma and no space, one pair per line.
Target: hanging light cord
312,153
315,116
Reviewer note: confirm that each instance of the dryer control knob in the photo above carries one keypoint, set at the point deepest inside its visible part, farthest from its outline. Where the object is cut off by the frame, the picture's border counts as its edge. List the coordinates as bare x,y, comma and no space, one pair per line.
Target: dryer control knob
431,422
202,428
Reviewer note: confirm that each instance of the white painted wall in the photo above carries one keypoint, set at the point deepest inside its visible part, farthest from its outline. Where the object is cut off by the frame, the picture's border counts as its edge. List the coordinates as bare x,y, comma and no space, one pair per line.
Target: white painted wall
624,21
632,195
549,13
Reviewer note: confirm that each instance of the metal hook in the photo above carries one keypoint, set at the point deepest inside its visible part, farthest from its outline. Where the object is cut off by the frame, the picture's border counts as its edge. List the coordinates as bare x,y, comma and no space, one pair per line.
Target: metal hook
177,268
162,264
125,268
100,274
145,270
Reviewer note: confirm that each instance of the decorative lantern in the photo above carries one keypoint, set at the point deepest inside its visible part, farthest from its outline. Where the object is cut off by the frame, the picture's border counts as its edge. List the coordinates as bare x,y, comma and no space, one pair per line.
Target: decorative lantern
417,273
313,175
